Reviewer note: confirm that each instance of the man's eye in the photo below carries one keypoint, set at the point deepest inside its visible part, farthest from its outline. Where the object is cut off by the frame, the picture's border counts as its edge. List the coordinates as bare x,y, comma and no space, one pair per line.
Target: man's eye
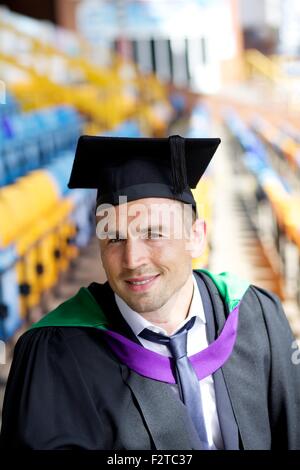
156,235
114,240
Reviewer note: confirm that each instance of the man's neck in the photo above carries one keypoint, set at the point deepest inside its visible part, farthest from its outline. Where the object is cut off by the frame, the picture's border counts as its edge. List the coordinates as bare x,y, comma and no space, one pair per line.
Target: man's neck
170,315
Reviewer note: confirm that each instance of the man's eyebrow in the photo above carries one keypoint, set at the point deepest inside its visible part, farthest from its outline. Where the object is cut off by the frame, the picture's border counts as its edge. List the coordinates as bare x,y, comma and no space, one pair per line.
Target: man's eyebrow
116,234
153,228
110,234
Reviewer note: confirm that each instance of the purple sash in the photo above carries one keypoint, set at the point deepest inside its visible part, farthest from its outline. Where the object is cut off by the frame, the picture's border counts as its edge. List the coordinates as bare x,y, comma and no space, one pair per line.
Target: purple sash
155,366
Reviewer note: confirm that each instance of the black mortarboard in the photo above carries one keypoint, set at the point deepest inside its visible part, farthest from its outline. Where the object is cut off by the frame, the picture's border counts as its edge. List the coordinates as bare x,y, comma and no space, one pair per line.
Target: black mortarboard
141,167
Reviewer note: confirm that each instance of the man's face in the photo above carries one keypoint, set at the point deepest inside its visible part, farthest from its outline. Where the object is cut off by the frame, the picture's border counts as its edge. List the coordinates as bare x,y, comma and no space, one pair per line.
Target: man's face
149,258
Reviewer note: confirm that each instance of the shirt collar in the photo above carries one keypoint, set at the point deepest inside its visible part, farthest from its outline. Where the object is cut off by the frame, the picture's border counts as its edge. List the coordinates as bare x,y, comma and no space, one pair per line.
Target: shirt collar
137,323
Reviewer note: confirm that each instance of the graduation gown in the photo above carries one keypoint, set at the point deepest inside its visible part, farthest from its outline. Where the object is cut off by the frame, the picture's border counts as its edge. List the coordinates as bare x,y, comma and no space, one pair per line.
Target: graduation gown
67,389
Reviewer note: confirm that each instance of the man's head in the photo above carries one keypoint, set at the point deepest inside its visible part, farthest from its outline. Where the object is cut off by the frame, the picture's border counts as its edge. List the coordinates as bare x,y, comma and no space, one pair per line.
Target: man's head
145,251
147,247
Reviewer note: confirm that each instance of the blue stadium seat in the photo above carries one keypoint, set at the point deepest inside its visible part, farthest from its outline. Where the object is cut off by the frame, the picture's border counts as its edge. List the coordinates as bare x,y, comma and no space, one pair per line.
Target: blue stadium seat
10,319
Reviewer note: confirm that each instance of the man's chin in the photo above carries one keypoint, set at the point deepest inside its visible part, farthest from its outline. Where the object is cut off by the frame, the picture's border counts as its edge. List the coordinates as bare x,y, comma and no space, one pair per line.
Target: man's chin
142,305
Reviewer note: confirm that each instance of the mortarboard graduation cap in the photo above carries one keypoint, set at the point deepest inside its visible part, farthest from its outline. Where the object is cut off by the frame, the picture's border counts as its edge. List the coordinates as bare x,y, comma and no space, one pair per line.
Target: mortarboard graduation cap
141,167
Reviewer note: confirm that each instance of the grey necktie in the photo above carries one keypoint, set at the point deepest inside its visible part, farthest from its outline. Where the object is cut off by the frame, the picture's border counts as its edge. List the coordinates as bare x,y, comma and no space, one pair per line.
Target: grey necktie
186,377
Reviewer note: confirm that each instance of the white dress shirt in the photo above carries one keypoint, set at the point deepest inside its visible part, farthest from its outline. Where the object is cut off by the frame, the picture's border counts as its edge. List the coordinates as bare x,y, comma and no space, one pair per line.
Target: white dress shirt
196,341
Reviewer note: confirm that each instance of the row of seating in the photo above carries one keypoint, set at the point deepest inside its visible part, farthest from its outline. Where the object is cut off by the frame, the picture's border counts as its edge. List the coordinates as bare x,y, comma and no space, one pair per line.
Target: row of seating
42,226
30,140
273,187
8,103
281,140
42,223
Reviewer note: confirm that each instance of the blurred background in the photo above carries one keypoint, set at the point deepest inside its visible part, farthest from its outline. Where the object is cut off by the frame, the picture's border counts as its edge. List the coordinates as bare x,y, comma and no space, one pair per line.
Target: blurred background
201,68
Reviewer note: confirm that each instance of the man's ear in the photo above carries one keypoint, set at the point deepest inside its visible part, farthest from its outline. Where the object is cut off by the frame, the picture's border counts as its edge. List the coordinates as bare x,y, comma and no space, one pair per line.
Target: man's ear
196,243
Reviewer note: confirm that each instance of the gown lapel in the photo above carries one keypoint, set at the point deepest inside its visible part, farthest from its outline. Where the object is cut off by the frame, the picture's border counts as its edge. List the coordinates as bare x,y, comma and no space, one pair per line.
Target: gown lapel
106,299
227,421
240,373
164,414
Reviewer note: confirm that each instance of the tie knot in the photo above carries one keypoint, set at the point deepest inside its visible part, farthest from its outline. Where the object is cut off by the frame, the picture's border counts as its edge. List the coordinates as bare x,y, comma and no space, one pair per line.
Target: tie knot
177,343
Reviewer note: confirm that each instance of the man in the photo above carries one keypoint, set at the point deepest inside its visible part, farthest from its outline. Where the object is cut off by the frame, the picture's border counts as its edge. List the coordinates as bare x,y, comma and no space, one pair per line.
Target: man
160,356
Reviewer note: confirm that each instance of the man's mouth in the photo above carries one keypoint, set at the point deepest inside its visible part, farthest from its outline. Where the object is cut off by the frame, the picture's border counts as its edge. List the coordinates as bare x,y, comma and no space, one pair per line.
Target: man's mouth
138,283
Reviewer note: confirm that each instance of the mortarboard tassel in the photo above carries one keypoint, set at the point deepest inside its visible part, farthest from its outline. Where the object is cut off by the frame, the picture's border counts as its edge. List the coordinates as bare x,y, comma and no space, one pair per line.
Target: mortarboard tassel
178,163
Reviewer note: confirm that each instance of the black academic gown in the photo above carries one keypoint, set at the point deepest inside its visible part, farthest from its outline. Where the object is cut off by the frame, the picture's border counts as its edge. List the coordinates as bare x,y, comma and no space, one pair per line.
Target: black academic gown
67,390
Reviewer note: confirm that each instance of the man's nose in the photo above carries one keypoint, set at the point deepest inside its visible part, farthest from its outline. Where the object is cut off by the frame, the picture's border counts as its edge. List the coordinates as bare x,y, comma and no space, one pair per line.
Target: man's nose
135,253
